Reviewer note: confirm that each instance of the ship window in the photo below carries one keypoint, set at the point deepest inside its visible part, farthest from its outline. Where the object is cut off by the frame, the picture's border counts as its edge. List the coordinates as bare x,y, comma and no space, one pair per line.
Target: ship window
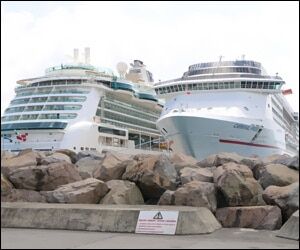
215,85
33,125
205,86
265,85
248,85
111,131
183,87
271,85
260,84
199,86
226,85
237,85
243,84
221,86
190,87
180,87
175,88
254,85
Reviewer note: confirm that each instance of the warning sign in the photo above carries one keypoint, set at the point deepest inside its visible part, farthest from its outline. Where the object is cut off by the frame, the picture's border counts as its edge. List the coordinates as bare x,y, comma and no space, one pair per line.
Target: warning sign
157,222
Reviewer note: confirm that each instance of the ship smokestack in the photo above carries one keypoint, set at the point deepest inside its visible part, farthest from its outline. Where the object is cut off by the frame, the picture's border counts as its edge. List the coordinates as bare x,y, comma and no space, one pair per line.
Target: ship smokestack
87,55
76,55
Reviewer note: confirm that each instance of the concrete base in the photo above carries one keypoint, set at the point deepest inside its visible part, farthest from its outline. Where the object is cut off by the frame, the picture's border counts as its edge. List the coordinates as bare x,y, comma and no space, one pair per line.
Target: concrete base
103,218
290,229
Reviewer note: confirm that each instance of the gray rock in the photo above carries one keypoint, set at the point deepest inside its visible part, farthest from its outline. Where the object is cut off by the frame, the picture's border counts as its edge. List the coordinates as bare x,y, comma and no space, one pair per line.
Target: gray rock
44,177
257,217
85,191
92,154
167,198
87,165
236,186
287,198
195,174
6,186
153,175
196,194
68,152
122,192
277,175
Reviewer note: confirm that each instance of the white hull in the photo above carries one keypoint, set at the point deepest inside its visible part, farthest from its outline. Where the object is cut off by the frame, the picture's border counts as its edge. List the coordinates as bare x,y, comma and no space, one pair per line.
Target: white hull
200,137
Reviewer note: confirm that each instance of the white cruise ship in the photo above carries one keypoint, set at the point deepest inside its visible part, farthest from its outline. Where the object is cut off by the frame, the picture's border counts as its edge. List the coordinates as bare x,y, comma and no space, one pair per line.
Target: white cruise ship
79,107
228,106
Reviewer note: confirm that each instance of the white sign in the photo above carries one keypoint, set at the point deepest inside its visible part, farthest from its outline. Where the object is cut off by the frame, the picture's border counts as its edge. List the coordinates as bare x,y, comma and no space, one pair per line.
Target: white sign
157,222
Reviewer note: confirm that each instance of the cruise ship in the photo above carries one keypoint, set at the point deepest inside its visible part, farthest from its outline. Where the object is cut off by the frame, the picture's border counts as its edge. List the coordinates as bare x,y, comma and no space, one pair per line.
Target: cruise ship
228,106
77,106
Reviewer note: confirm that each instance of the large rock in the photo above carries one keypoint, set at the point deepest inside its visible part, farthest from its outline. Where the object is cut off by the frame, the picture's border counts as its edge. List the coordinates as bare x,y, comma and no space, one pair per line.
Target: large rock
236,186
44,177
290,229
257,217
112,167
167,198
86,191
153,175
22,195
291,162
27,158
92,154
7,154
195,174
181,160
277,175
69,153
225,157
60,157
122,192
275,158
287,198
87,165
6,186
196,194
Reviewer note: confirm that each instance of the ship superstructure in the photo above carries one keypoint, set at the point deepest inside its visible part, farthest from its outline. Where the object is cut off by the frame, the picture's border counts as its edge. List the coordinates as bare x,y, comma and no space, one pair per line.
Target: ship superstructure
228,106
80,107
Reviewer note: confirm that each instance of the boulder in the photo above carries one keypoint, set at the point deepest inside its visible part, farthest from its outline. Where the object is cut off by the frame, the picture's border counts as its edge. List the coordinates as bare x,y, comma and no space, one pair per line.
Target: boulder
225,157
60,157
7,154
22,195
27,158
277,175
167,198
274,158
92,154
69,153
287,198
257,217
179,158
122,192
196,194
87,165
153,175
195,174
291,162
44,177
85,191
6,186
112,167
290,229
236,186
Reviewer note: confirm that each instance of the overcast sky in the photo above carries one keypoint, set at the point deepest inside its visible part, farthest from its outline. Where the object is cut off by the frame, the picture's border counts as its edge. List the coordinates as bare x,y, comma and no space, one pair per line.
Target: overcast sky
166,36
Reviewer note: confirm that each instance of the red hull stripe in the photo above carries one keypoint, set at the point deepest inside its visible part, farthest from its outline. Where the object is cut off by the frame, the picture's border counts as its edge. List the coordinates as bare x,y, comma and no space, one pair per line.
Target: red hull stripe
247,143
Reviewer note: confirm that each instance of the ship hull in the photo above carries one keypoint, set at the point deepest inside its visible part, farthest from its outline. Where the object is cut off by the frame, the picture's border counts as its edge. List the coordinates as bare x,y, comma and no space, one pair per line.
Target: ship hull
202,136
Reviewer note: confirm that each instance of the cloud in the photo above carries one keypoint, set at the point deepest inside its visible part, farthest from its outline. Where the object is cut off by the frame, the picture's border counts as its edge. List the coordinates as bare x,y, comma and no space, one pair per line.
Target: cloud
167,37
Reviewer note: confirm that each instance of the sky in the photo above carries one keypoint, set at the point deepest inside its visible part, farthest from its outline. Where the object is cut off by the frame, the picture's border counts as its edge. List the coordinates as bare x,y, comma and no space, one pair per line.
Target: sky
166,36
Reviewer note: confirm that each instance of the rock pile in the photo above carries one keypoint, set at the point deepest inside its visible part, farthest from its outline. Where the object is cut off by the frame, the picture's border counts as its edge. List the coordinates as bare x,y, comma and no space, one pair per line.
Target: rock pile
240,191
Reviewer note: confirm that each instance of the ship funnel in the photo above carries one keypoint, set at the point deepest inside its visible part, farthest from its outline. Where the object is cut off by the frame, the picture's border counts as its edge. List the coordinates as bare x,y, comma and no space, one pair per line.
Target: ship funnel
87,55
76,55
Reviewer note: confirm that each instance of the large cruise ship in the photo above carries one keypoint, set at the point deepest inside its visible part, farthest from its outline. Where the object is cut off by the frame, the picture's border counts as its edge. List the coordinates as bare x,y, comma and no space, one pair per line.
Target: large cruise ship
80,107
228,106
